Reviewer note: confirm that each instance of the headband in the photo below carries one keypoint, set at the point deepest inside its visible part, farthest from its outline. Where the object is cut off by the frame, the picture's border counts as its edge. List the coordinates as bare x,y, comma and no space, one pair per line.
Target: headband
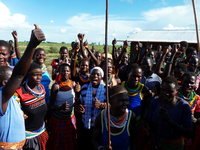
35,70
120,92
97,68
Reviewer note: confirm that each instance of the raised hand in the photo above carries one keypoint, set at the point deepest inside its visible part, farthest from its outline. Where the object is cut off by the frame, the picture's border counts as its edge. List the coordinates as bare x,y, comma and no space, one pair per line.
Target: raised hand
64,106
114,42
76,46
174,49
96,103
86,44
81,108
125,45
37,36
77,87
166,50
81,36
14,34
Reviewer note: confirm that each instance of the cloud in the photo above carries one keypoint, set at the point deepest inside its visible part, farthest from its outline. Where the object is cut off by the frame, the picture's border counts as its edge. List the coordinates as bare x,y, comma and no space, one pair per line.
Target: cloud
51,21
162,3
129,1
63,30
171,27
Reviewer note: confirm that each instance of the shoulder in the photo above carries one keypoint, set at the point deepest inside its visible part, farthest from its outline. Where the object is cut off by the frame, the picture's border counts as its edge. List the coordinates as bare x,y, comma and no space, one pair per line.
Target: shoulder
55,86
183,103
55,62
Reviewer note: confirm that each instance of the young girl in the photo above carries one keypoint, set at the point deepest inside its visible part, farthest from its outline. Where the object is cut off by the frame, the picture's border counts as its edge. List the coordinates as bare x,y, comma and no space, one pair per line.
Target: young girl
63,121
39,58
12,129
32,100
57,62
169,117
122,123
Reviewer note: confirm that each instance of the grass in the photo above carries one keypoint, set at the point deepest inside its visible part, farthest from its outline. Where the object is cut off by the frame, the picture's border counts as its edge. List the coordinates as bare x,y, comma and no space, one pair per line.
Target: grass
52,49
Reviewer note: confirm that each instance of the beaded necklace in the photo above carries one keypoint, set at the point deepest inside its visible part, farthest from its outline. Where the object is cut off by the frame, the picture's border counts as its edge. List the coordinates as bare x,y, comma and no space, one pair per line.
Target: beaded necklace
13,55
133,91
116,122
35,94
7,64
65,86
179,84
123,68
192,98
84,78
109,79
44,68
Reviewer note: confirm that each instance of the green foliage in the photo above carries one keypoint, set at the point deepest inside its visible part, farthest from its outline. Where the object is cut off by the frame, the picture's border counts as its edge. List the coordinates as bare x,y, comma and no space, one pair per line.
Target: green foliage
53,50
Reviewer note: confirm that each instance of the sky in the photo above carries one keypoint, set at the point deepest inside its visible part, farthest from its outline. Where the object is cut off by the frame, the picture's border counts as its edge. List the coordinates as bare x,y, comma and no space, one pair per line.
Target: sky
62,20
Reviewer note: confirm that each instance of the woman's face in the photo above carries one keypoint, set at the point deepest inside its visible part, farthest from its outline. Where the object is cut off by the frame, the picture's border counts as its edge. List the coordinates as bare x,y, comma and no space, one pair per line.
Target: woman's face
188,84
40,57
4,55
65,73
168,91
84,67
135,77
35,78
64,54
95,78
110,67
98,56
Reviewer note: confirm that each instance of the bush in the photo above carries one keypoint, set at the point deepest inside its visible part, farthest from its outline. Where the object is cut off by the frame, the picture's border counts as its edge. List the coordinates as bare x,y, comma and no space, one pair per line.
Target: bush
53,50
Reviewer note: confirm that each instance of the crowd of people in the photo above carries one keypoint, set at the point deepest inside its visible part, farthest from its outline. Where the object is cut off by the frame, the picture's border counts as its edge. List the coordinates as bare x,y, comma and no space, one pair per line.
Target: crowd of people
154,100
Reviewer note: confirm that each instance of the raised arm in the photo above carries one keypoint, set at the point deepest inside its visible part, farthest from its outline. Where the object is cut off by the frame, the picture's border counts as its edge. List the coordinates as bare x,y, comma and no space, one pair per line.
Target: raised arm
138,49
114,42
21,67
125,45
82,48
91,54
73,60
17,51
158,70
168,67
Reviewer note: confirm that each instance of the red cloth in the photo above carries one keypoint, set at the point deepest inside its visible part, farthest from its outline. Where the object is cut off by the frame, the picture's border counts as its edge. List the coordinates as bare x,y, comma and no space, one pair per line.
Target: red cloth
63,133
44,141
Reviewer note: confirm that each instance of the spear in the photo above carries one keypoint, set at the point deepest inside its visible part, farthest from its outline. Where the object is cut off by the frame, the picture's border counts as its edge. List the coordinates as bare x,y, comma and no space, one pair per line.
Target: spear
196,24
106,73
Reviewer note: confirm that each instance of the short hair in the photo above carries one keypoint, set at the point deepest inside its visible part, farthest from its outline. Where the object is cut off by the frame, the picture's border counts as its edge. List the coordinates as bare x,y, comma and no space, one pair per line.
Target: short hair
189,74
170,79
182,66
4,43
133,67
3,74
36,52
97,53
64,65
184,44
84,59
62,48
148,58
116,89
190,50
103,63
72,43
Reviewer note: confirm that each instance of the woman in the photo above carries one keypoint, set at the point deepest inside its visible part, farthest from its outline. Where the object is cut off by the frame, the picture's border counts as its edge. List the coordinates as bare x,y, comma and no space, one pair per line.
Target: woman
57,62
122,122
62,120
169,117
32,100
92,100
39,58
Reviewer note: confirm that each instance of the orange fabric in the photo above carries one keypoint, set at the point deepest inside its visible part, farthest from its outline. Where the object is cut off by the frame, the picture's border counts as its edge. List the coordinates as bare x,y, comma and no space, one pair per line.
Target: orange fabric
17,145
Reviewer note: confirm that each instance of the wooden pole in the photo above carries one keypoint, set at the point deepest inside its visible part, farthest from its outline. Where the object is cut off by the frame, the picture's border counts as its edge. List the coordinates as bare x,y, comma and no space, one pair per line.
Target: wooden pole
106,73
196,24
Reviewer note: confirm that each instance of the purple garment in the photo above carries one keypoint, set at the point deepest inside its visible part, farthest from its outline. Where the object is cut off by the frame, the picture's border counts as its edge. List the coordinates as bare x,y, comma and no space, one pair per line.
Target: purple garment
180,113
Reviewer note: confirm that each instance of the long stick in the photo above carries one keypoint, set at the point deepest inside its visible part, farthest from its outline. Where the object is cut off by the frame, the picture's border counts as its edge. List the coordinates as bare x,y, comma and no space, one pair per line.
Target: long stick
106,73
196,24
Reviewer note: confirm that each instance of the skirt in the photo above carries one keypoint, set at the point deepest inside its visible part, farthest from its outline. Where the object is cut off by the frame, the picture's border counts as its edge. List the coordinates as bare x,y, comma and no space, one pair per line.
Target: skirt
63,133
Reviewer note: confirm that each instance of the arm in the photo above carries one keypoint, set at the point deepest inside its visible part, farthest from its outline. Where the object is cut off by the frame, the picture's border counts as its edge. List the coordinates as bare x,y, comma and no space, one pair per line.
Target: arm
73,61
54,72
17,51
137,49
132,130
168,67
54,91
125,45
158,70
82,48
91,54
21,67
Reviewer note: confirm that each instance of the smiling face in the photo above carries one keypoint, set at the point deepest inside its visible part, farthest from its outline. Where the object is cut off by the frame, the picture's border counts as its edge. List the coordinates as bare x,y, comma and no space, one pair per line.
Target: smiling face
35,78
4,55
84,67
168,91
134,77
95,78
65,73
188,84
40,57
63,54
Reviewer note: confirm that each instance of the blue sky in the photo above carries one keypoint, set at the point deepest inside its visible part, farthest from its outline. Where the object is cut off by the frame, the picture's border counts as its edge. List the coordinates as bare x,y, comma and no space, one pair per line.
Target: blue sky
62,20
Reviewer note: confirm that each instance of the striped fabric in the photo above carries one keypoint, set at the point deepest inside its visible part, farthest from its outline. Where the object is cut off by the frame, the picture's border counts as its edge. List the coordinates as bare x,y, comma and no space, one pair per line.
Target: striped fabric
32,134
